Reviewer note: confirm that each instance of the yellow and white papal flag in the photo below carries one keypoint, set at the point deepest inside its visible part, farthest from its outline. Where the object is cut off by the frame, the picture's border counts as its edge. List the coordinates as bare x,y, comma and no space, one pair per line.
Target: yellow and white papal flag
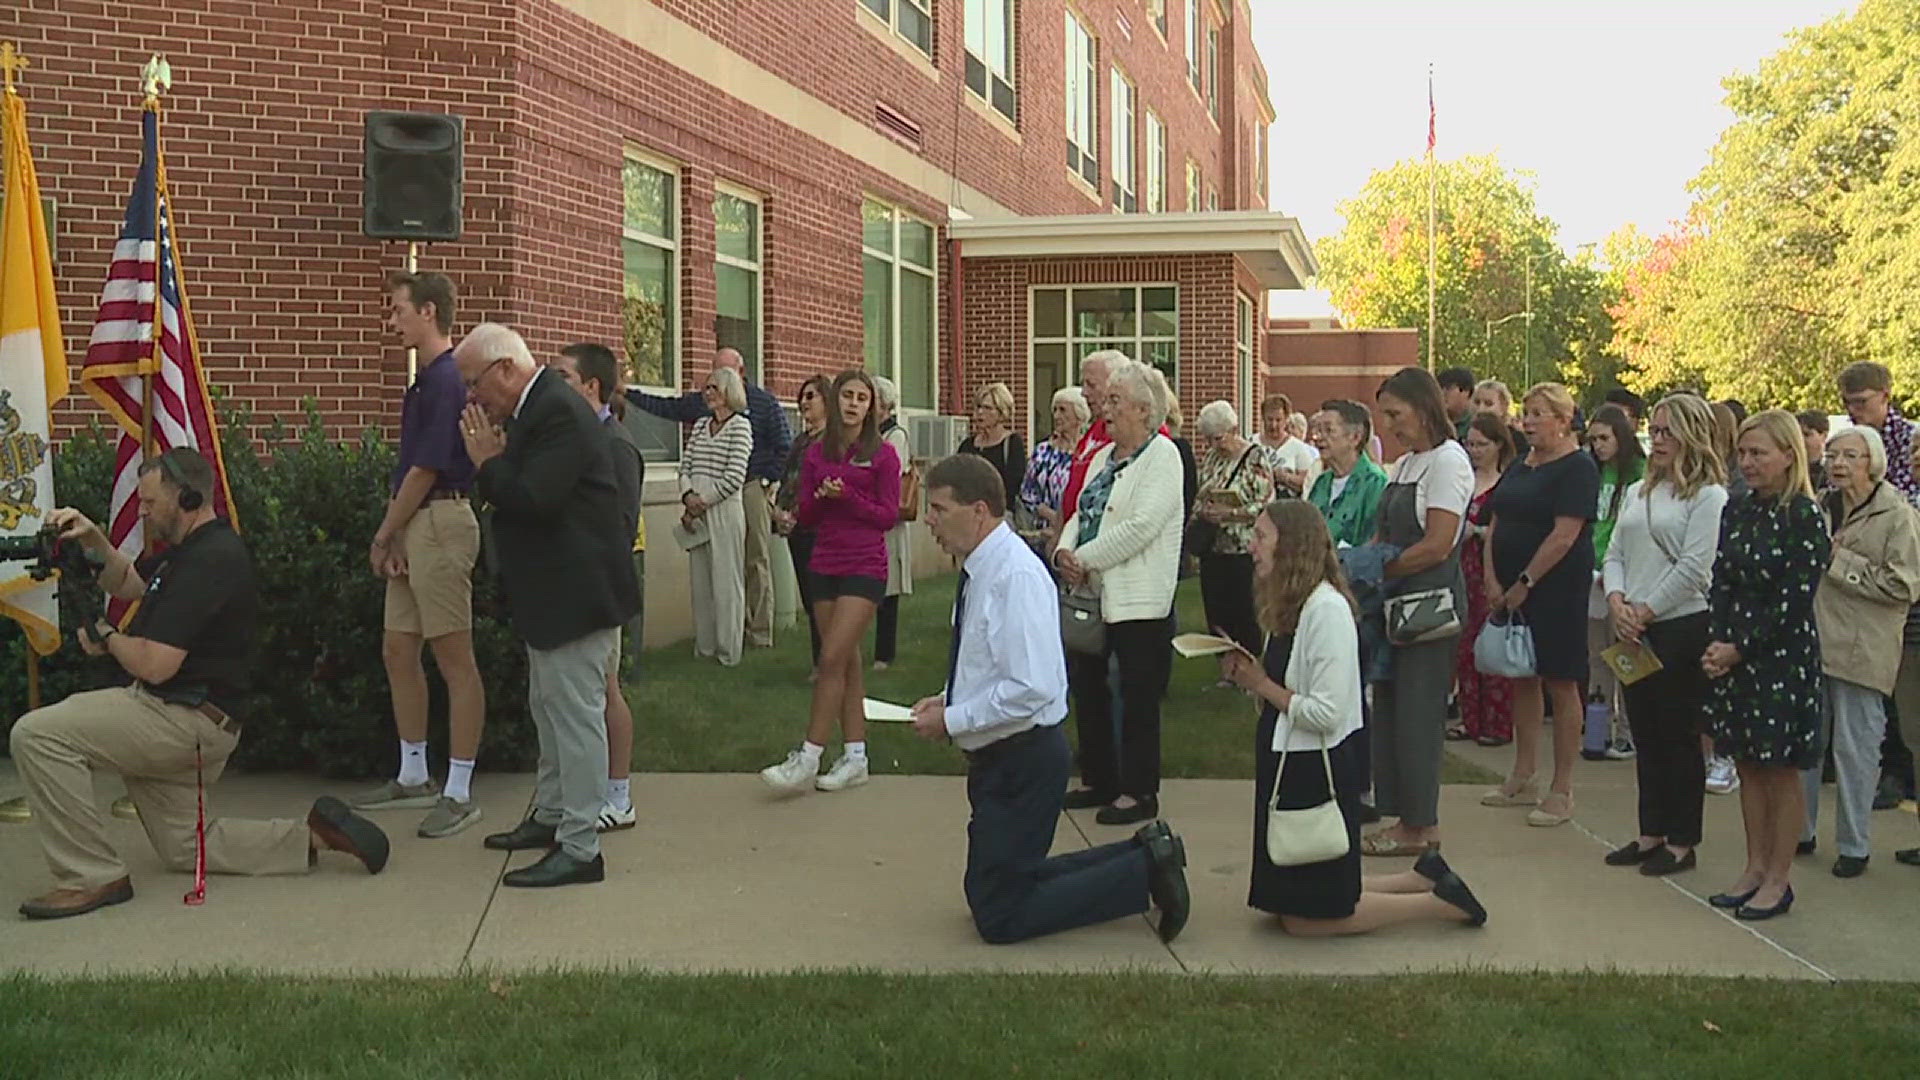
33,376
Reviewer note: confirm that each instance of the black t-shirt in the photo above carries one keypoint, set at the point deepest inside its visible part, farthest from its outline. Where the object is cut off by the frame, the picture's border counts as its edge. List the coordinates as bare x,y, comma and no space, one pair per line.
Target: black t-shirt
201,598
1527,500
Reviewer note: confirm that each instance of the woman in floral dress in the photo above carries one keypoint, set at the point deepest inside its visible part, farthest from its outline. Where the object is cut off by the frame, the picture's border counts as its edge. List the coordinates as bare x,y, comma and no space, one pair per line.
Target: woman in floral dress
1763,656
1486,701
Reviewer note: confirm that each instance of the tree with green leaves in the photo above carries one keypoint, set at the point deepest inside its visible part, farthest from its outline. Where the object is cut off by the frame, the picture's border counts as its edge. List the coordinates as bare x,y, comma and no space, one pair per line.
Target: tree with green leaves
1802,250
1491,243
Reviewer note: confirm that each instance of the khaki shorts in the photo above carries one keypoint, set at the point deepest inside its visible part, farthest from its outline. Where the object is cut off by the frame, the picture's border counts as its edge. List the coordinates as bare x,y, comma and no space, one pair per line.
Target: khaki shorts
435,597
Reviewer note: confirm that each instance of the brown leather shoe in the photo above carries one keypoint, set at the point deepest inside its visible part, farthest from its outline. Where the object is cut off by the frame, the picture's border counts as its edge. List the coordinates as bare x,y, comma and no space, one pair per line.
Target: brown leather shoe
340,829
61,903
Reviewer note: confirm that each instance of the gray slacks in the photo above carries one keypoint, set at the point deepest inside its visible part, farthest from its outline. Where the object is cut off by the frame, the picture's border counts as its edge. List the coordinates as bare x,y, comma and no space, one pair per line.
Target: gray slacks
567,694
1856,720
1409,725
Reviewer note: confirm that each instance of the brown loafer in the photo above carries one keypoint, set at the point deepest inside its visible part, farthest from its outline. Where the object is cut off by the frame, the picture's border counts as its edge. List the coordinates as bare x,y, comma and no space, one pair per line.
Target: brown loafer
340,829
64,903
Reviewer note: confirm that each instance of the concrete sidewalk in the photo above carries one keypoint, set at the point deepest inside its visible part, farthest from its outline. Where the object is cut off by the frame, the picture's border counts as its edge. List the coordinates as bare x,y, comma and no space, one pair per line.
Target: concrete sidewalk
721,875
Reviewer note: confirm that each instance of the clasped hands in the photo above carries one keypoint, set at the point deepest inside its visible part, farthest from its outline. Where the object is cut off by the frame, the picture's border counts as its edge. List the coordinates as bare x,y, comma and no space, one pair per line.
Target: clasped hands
1509,599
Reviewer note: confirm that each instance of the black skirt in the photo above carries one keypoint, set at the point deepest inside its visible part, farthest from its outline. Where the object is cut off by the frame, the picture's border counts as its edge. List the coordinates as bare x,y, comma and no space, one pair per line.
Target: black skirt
1326,890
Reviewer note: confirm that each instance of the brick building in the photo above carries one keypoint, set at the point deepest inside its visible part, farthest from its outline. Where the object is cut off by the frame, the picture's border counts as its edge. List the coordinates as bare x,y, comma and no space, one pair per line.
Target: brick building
1316,360
950,191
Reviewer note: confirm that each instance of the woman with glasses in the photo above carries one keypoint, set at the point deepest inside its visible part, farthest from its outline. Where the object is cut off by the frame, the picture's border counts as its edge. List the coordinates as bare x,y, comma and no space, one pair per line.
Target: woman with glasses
811,404
713,470
1235,482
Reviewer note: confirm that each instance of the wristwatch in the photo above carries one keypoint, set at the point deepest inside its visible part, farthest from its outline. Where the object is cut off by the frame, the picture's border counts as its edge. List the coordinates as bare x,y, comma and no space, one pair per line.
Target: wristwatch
1526,579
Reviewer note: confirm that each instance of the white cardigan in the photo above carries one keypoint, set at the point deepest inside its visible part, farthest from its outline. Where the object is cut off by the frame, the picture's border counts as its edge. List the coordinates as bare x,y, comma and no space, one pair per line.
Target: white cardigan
1136,556
1323,671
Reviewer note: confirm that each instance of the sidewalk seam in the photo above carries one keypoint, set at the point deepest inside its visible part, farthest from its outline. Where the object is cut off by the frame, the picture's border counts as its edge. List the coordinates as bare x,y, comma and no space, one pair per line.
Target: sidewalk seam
1167,945
465,967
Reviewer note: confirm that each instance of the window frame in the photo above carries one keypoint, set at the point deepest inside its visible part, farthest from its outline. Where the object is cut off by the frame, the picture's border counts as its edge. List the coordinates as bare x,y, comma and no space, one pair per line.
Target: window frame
992,80
1084,113
1157,15
1126,143
1196,23
670,344
1246,314
897,267
1072,340
1213,71
892,19
1156,140
1195,187
757,266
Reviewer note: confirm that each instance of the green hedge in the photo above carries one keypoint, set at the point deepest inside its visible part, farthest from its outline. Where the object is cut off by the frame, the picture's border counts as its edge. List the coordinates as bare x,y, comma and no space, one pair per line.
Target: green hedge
307,507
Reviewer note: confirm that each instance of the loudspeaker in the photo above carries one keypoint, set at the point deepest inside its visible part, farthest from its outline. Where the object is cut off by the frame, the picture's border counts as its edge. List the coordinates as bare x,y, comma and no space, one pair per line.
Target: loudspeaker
411,176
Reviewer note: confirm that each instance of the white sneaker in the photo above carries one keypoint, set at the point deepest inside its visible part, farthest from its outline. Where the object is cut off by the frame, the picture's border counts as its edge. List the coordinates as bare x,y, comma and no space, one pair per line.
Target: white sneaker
612,818
847,772
1620,750
793,774
1722,779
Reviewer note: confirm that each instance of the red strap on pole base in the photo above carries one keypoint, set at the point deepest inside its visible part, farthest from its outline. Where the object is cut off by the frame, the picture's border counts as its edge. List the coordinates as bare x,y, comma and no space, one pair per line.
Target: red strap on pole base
198,895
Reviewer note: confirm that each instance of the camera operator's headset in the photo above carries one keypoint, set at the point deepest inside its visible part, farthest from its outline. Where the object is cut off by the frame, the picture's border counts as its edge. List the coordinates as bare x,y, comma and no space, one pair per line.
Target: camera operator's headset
191,498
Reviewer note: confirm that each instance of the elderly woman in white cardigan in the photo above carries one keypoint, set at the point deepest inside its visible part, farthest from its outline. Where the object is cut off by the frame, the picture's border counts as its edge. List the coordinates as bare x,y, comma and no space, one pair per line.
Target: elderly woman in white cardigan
1308,684
1123,540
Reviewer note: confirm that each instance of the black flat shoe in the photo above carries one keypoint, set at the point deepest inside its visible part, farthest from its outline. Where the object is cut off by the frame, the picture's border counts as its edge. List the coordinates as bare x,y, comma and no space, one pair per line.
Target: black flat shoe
1142,810
1455,892
1663,862
1806,847
526,836
1086,799
1910,856
1431,866
558,868
1847,866
1630,854
1730,901
1167,883
1147,833
1750,913
1370,814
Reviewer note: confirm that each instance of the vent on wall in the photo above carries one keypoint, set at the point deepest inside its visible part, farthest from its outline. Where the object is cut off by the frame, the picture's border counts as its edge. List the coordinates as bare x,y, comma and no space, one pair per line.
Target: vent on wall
894,124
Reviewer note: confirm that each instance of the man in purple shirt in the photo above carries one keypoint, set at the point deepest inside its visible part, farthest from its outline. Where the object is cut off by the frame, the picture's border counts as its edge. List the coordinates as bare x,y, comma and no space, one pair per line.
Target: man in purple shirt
425,548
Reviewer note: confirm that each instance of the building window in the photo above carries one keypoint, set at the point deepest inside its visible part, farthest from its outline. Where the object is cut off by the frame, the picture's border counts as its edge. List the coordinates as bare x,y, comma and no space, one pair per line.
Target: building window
1243,353
1125,184
1083,93
897,301
650,293
1193,186
1156,164
911,19
1213,197
1196,28
1260,162
1213,72
1157,9
736,275
990,48
1068,322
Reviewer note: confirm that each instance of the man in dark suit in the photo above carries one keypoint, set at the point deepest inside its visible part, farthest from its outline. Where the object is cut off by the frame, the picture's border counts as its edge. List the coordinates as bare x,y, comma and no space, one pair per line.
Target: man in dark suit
563,563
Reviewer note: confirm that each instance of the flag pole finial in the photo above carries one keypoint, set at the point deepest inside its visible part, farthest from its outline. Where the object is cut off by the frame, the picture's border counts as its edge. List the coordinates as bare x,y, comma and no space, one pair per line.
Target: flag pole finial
12,62
156,77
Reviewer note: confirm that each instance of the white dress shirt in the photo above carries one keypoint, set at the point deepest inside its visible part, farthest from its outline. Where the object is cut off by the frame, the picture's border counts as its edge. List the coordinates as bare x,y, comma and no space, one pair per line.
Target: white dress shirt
1010,674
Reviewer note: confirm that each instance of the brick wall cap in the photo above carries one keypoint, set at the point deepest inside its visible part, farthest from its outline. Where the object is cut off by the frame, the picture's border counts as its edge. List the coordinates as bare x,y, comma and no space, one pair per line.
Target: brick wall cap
1272,245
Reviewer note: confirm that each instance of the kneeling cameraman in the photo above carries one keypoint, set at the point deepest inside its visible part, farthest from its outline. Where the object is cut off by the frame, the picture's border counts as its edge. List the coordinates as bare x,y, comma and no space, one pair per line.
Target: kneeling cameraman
186,653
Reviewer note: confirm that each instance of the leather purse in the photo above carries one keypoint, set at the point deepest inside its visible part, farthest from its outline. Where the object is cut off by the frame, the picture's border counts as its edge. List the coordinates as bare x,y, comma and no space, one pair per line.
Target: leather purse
1081,628
1505,647
1417,617
1316,834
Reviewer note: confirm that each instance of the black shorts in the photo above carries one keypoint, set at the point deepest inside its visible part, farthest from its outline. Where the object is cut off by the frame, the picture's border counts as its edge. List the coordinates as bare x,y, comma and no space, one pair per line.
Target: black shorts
834,586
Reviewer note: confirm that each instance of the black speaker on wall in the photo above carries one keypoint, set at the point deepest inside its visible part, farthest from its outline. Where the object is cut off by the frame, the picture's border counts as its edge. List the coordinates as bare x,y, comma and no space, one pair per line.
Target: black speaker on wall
411,176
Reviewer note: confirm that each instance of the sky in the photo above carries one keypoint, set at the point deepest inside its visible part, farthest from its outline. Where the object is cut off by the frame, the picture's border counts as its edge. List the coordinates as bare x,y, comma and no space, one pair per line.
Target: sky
1612,105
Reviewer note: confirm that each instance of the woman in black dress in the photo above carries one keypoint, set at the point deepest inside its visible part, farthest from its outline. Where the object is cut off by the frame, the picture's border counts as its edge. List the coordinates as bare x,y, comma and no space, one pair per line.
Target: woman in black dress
1539,562
1309,687
1764,701
993,438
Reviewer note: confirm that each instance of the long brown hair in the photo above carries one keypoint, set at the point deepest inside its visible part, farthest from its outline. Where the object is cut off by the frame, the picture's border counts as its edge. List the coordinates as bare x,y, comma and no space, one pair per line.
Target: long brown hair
834,439
822,389
1303,557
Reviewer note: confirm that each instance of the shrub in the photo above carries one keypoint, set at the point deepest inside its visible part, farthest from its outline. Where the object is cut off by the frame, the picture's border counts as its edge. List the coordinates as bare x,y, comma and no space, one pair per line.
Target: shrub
307,507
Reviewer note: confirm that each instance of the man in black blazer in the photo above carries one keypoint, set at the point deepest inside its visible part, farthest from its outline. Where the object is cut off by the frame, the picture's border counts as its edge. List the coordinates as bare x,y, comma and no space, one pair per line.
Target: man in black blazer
563,563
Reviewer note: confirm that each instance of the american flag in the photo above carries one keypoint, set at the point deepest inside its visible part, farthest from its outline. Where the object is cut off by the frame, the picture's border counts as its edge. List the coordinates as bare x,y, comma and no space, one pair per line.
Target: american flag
144,331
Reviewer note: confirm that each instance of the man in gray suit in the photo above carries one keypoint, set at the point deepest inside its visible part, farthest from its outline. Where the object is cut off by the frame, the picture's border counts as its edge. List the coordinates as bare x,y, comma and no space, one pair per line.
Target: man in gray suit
563,562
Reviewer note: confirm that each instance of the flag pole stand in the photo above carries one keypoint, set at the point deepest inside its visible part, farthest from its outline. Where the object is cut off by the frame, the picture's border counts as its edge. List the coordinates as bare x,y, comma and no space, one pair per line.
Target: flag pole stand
413,267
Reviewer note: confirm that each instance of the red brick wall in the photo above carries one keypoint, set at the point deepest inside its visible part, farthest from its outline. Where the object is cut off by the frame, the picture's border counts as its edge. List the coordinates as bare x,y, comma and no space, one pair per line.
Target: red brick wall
1365,357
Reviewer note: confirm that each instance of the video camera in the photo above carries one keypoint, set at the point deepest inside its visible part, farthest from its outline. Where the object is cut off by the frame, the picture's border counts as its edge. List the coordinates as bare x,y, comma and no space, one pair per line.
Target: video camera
81,601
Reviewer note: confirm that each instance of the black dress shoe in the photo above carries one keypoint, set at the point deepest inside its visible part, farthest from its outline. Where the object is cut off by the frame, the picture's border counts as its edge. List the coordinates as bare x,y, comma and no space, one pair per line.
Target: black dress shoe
1749,913
1167,883
558,868
1431,866
1086,799
1849,866
1631,854
1805,847
1454,891
1889,794
527,835
1731,900
1910,856
1663,862
1142,810
1369,813
1146,834
340,829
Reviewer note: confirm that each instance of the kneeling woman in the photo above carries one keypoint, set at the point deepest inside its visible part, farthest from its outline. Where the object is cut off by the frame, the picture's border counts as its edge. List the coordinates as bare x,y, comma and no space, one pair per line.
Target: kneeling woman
1309,684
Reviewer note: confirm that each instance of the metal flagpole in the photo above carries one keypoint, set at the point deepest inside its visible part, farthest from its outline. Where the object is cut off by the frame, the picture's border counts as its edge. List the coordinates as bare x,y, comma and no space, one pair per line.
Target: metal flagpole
1432,217
413,267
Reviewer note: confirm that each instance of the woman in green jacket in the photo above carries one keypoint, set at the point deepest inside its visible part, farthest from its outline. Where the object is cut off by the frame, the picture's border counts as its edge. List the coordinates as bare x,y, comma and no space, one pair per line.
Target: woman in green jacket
1347,491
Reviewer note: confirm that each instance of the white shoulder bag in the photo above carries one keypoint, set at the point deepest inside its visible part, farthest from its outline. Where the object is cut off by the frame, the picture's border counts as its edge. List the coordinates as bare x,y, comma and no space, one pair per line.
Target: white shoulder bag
1314,835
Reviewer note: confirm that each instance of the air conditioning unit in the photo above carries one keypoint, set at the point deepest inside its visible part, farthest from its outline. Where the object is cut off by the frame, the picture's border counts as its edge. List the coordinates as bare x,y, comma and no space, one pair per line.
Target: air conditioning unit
934,437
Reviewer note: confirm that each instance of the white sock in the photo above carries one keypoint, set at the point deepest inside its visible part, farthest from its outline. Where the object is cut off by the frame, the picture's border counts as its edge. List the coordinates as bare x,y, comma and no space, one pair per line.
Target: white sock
812,751
857,750
413,763
618,793
459,779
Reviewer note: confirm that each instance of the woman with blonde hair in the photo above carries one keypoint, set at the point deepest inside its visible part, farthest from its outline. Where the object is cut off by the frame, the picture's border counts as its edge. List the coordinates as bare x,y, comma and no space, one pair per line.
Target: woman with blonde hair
993,437
1658,566
1491,395
1763,654
1308,683
1539,565
1051,462
713,472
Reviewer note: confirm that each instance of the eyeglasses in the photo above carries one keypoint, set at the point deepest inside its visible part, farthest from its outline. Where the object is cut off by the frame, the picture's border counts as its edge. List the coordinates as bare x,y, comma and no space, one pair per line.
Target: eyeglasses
1659,431
1849,456
475,381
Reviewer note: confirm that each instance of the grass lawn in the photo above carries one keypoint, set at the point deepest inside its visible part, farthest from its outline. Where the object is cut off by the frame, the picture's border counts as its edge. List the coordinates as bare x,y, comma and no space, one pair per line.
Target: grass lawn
632,1026
693,715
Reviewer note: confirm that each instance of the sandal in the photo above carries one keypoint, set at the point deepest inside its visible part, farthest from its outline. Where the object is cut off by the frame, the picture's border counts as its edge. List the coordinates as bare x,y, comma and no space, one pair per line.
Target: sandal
1382,844
1456,733
1546,818
1526,793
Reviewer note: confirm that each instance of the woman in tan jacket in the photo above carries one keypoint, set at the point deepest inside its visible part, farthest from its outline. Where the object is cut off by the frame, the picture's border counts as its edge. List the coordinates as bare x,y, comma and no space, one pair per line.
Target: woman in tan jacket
1861,609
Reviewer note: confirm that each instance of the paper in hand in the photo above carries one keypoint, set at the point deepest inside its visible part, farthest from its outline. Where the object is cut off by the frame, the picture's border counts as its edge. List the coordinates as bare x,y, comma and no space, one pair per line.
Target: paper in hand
1192,645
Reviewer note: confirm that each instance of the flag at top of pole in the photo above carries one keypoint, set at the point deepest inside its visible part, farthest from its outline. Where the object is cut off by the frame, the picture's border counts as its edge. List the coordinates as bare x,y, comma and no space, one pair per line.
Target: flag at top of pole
143,362
1430,112
33,368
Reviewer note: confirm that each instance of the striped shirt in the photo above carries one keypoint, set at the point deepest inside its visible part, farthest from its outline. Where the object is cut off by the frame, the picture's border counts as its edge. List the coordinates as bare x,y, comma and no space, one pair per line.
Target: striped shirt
714,465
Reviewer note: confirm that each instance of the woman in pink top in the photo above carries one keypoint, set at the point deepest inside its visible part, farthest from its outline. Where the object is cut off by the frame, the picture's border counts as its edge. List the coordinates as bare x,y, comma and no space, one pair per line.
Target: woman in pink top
849,497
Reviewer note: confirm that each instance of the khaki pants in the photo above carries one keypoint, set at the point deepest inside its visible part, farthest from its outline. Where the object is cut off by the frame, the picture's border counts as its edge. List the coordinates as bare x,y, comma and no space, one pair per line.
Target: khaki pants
717,585
759,564
151,744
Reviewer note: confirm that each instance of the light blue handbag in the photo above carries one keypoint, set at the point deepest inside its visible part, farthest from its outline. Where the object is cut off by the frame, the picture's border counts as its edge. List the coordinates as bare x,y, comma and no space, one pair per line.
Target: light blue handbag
1505,647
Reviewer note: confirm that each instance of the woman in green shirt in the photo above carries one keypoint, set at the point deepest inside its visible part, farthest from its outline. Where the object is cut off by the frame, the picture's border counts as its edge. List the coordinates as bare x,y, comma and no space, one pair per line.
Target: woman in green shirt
1347,491
1615,447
